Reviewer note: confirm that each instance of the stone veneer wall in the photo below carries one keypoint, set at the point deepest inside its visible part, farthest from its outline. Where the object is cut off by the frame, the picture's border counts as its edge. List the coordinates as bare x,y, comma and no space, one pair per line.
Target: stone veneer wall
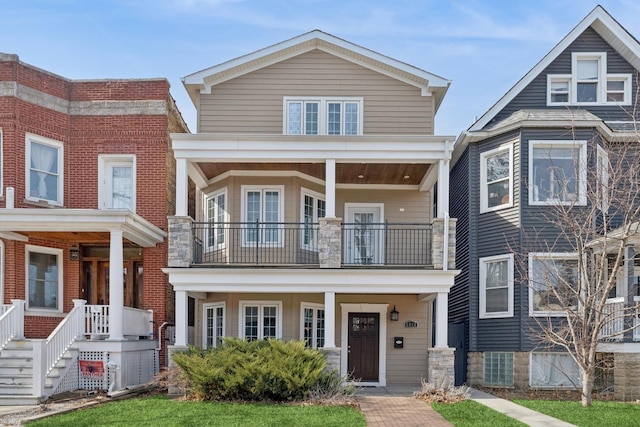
180,241
330,242
437,248
626,381
440,366
333,358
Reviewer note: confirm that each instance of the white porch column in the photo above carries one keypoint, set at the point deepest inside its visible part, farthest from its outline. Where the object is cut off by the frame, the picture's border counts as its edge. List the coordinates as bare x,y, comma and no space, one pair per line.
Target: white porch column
330,188
329,319
443,188
181,319
182,187
116,287
442,309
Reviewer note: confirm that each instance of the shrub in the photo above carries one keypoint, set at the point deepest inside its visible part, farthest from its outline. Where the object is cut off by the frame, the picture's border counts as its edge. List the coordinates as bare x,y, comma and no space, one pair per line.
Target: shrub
333,388
258,370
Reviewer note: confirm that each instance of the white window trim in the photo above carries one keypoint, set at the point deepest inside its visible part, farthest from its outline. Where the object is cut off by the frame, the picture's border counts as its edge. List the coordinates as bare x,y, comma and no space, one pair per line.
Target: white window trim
484,195
213,305
104,161
539,387
627,79
260,303
29,137
551,78
582,171
59,255
542,256
316,196
216,194
314,306
603,176
483,283
2,262
243,212
1,164
322,112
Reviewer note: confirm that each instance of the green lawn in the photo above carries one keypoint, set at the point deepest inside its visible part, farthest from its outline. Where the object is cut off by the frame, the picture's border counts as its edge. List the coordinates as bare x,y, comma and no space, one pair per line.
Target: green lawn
473,414
599,414
160,411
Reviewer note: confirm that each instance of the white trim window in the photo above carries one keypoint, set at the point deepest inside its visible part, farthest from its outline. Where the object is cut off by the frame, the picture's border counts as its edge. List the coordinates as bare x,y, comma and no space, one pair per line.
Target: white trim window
44,169
496,178
602,169
43,268
589,83
322,116
217,216
312,324
313,207
117,182
558,172
553,370
263,211
498,369
214,323
496,286
260,320
552,281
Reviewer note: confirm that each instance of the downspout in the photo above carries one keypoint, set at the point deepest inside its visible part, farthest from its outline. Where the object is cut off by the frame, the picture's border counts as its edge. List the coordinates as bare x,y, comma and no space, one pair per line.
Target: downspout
160,334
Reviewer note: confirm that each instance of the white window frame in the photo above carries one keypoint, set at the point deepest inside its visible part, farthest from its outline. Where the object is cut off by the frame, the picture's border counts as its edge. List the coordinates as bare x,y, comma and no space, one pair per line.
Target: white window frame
504,384
581,197
484,184
60,296
1,164
2,262
483,286
304,192
315,307
213,306
215,229
537,256
243,206
603,78
105,183
323,115
242,304
559,370
29,138
603,166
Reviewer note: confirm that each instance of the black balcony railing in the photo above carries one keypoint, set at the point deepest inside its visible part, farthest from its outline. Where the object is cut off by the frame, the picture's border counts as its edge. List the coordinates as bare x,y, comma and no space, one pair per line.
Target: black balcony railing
389,244
255,243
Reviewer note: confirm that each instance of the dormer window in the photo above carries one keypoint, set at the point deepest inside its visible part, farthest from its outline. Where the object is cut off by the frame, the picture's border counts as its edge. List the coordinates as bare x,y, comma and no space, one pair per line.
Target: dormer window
322,116
589,83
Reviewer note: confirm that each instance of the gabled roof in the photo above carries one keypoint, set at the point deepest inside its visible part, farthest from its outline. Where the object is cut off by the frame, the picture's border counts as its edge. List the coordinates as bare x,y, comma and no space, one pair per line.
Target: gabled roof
598,19
203,80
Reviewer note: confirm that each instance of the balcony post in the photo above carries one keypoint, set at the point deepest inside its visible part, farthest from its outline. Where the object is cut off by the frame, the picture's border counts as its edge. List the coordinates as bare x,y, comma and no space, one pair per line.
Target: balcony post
330,188
330,242
180,241
443,188
330,319
116,287
182,311
182,187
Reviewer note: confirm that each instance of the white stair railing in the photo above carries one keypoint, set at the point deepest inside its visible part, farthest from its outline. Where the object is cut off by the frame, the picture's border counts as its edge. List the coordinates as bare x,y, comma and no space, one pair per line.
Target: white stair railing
70,329
11,321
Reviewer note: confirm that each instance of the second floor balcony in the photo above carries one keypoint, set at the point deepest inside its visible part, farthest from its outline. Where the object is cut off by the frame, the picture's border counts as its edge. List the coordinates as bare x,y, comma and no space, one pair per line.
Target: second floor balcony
330,243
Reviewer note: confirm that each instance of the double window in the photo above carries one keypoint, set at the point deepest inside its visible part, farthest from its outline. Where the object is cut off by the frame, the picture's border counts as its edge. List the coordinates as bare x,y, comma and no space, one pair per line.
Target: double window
313,208
117,182
496,286
312,324
262,211
44,278
214,324
552,283
557,172
322,116
496,179
44,169
260,320
589,83
217,217
553,370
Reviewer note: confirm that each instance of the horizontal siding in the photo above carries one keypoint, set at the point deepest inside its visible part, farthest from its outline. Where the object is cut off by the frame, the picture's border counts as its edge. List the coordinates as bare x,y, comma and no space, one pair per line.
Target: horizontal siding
534,96
253,103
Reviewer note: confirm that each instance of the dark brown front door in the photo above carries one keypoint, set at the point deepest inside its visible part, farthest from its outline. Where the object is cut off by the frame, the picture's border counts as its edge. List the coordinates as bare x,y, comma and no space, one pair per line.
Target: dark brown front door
363,348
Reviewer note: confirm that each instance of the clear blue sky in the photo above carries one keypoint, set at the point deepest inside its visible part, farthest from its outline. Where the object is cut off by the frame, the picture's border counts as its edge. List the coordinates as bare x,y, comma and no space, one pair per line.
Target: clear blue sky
483,46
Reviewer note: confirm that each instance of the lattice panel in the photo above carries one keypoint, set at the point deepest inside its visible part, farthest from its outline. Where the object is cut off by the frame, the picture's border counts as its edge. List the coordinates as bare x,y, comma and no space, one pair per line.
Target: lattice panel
140,367
93,383
70,380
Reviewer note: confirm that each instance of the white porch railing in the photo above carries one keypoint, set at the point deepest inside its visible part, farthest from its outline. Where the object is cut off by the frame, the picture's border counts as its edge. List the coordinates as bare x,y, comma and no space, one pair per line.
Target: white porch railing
96,321
11,321
138,322
613,312
636,320
65,334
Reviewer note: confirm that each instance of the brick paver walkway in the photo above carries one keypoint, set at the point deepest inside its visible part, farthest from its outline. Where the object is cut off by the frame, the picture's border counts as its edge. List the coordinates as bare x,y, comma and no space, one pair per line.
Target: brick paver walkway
392,411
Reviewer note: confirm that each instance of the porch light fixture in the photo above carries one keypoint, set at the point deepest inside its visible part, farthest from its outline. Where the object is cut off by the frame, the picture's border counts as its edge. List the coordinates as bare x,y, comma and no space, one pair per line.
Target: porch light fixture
74,253
394,314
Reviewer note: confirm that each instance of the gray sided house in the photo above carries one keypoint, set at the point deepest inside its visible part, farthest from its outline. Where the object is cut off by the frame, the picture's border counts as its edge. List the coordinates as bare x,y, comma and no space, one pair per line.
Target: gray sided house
576,97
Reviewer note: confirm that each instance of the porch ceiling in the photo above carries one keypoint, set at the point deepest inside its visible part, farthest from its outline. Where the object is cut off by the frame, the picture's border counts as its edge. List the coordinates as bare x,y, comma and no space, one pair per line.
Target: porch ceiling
346,173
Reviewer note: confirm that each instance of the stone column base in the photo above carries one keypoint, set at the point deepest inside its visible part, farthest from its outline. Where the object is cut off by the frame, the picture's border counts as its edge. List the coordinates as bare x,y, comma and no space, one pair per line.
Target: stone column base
440,366
173,389
332,355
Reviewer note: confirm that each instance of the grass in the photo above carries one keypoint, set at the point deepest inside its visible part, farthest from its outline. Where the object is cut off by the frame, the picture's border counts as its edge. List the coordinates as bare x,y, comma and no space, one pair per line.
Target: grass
160,411
597,415
468,413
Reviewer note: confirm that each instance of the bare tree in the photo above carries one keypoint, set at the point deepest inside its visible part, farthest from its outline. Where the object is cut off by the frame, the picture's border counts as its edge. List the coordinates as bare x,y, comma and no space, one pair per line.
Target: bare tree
592,218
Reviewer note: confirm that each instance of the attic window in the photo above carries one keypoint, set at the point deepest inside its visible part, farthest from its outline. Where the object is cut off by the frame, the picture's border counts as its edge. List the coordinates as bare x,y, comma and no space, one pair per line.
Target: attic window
589,83
322,116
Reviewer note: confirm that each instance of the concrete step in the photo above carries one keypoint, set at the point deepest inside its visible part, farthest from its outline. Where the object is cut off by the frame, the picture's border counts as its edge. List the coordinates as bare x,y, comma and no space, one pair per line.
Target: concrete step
19,344
19,400
16,379
16,352
16,390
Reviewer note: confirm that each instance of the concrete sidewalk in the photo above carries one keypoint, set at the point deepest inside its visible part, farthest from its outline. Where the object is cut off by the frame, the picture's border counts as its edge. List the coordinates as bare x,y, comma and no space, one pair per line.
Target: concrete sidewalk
520,413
